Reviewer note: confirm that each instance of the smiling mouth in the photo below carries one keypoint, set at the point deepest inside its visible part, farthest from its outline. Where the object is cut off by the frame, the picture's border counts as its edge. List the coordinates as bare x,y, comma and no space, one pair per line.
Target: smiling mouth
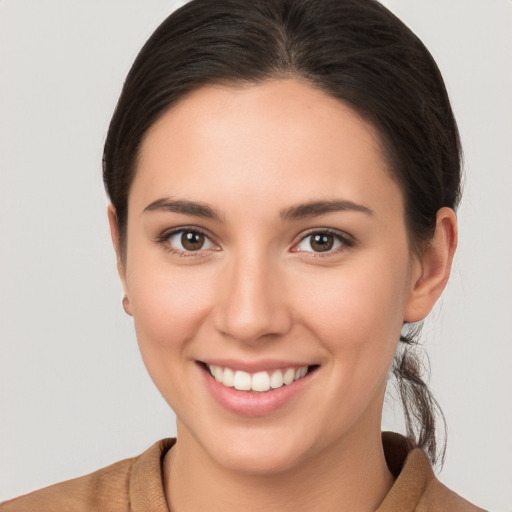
259,382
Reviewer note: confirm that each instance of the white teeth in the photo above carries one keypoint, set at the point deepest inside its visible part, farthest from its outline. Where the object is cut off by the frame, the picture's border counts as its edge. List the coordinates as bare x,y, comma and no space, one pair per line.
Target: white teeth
242,381
229,378
276,381
218,373
289,376
260,381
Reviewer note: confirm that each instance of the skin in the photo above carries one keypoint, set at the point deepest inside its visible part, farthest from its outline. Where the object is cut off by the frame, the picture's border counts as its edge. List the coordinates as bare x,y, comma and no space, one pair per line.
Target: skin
258,291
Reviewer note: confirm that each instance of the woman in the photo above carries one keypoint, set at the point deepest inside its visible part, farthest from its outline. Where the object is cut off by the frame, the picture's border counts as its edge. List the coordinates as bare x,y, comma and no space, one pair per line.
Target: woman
283,177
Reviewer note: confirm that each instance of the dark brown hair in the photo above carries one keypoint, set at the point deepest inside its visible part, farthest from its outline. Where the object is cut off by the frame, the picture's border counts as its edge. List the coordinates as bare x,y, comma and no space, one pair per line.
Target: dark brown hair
354,50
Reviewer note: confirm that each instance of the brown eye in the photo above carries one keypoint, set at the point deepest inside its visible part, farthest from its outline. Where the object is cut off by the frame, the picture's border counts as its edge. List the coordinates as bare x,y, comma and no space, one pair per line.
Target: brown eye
322,242
188,240
192,241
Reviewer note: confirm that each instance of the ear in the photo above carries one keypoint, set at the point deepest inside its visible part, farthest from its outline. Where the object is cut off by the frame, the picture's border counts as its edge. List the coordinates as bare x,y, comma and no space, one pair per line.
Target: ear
431,269
116,242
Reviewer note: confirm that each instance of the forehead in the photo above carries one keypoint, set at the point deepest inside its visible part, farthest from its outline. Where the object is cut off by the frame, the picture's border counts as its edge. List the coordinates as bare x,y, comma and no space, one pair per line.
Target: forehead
281,140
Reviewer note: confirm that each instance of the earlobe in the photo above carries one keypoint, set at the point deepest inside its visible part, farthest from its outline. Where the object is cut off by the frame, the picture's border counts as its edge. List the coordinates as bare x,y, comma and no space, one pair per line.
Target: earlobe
126,305
432,268
116,242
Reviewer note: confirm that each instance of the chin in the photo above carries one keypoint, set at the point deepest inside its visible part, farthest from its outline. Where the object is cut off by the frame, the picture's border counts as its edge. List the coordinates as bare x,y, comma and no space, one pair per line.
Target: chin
258,452
257,462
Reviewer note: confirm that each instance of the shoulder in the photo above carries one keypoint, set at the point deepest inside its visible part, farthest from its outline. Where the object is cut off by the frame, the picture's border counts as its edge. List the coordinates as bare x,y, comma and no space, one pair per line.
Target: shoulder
88,492
113,488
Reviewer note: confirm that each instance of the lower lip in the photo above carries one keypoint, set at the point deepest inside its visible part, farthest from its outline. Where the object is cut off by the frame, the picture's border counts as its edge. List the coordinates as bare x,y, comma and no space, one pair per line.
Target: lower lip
247,403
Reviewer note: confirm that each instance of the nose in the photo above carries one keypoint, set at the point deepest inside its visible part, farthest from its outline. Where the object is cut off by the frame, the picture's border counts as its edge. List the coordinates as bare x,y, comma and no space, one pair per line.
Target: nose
252,303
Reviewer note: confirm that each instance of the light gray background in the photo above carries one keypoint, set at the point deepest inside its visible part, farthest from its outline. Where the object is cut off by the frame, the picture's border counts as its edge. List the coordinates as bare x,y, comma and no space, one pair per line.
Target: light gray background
74,393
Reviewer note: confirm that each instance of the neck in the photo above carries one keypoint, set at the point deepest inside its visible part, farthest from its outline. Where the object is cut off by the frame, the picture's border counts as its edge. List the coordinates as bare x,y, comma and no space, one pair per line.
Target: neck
352,475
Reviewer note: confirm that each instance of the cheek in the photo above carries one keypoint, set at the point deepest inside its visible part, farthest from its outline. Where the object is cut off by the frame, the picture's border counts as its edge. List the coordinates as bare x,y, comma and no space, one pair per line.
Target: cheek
169,306
357,314
165,298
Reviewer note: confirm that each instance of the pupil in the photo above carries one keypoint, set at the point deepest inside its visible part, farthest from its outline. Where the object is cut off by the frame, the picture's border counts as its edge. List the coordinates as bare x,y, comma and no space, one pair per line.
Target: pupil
192,241
322,242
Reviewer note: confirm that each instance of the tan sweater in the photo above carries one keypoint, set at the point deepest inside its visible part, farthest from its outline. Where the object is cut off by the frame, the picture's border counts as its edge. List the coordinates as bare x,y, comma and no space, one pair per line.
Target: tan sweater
136,485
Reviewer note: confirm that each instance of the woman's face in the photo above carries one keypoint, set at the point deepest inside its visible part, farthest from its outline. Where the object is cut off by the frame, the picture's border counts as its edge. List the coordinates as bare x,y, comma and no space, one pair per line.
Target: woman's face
265,236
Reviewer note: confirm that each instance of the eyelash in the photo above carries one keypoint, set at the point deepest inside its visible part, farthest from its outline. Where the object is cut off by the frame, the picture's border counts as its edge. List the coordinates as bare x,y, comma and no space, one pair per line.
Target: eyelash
345,240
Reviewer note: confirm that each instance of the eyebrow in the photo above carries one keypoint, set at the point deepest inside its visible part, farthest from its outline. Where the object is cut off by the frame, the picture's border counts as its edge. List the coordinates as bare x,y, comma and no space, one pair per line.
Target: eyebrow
316,208
295,212
185,207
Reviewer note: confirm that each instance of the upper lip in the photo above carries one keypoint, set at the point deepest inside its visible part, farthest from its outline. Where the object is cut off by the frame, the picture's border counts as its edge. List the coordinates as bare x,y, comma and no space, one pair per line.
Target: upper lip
255,366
